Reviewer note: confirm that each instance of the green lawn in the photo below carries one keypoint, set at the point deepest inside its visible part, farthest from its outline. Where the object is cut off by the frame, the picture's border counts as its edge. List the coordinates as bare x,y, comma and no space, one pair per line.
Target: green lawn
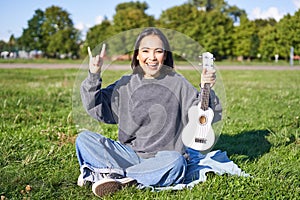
260,134
178,62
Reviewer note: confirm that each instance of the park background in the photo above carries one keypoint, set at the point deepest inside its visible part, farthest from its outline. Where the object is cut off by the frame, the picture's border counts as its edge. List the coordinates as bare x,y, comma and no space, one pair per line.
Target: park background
261,128
221,28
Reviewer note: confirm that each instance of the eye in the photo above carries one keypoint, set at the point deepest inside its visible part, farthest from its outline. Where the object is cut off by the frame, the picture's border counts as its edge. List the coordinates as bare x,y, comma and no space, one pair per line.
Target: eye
145,51
159,51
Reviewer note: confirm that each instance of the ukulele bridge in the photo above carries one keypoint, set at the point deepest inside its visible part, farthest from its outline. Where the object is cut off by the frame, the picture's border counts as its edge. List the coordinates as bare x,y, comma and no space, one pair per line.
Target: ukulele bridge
200,140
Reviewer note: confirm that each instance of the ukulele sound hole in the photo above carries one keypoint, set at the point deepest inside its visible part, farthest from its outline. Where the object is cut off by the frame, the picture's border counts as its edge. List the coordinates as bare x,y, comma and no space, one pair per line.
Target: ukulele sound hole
202,120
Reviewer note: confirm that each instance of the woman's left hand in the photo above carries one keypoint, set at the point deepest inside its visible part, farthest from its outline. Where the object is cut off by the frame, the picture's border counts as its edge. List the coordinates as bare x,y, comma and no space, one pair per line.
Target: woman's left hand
208,76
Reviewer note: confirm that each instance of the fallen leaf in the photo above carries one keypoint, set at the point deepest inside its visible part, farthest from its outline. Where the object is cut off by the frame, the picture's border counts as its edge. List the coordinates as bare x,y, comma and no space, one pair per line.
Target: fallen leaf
28,188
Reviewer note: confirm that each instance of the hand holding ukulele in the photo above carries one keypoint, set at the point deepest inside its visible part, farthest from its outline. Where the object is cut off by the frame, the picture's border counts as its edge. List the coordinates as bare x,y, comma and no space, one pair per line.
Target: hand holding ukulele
208,76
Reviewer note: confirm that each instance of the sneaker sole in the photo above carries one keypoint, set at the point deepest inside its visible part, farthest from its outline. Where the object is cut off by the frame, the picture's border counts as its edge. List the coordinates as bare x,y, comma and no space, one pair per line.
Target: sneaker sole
128,182
105,187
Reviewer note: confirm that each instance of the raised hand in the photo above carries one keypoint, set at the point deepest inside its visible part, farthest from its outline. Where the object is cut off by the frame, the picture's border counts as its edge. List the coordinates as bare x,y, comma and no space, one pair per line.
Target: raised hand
95,63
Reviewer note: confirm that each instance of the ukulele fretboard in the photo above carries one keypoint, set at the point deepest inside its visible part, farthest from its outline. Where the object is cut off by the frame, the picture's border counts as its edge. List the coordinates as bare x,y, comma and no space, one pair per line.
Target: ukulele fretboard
205,96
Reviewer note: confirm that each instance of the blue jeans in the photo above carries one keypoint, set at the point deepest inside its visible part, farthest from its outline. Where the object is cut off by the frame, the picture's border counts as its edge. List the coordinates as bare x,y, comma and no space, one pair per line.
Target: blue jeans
98,154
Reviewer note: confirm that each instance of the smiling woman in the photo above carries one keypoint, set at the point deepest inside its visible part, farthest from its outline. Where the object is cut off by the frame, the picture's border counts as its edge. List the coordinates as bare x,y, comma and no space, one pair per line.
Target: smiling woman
150,107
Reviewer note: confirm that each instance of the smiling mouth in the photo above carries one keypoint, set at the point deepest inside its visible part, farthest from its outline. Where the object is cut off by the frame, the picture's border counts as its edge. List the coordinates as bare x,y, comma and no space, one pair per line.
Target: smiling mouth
152,65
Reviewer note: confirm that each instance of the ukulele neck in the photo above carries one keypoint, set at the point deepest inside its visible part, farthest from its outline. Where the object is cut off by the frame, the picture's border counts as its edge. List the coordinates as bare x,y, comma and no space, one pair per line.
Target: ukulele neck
205,96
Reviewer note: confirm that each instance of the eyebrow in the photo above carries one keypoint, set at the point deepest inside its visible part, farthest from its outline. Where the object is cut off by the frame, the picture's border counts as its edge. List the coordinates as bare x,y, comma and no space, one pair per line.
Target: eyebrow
152,48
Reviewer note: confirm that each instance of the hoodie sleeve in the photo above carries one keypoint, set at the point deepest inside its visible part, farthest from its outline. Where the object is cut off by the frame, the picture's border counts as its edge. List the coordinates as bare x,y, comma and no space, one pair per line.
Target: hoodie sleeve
215,105
97,101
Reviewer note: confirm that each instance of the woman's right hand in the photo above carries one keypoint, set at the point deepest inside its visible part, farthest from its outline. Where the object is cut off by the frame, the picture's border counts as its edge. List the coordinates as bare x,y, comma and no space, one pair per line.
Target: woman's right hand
96,63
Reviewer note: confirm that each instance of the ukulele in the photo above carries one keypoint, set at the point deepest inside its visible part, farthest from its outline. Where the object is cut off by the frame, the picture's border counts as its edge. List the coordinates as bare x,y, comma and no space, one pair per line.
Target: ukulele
198,133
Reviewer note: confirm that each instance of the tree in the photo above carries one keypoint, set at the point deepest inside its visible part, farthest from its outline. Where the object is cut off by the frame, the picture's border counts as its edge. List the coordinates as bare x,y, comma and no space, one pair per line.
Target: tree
132,5
32,37
296,32
62,43
246,41
181,18
131,15
213,32
96,35
58,26
288,31
210,29
3,46
234,13
268,42
52,32
267,38
208,5
220,6
12,43
262,23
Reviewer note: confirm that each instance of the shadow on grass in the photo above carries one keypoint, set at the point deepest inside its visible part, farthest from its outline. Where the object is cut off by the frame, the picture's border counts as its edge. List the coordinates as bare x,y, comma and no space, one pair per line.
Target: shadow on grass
250,144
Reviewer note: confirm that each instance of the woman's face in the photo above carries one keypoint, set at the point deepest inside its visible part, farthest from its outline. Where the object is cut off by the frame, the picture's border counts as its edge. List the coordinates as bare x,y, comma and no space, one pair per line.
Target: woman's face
151,55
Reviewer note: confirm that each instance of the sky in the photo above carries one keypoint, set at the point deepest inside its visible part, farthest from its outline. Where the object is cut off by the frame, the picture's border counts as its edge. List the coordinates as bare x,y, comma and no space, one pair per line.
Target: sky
14,14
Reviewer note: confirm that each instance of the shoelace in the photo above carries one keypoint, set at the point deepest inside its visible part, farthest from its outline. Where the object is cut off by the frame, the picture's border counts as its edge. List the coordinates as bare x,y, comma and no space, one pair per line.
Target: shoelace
107,175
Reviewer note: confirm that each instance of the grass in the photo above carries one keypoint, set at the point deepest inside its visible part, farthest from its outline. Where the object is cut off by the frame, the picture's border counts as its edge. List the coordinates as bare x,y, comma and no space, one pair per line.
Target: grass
260,134
179,62
41,61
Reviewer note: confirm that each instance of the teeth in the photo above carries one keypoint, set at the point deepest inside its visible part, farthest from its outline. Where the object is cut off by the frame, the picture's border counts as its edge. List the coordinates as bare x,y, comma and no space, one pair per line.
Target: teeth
154,64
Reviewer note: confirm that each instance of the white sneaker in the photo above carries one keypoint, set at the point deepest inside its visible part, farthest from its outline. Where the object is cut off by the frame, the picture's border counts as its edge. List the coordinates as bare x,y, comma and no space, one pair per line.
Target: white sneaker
111,183
80,181
127,181
106,186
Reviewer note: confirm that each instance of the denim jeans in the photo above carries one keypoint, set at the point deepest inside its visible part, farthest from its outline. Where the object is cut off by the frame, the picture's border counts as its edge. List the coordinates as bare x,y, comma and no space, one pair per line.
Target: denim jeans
98,154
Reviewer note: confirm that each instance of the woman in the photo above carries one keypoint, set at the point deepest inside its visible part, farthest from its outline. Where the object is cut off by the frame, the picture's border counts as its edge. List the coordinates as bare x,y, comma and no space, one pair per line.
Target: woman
150,107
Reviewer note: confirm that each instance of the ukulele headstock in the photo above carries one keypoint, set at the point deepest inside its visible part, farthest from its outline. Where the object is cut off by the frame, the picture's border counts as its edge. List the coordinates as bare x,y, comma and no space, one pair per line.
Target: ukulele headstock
207,60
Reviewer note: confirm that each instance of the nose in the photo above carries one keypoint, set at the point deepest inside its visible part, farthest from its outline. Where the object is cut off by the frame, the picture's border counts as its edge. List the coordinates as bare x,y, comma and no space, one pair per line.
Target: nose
152,55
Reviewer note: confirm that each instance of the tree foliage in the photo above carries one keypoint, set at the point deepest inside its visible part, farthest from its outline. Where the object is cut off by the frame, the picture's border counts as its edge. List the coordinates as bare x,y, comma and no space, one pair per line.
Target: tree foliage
268,47
288,30
32,37
208,5
52,32
96,35
208,28
3,46
218,27
131,15
245,39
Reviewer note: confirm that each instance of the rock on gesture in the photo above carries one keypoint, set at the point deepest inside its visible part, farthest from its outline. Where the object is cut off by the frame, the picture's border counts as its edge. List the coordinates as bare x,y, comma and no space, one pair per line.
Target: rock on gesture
96,63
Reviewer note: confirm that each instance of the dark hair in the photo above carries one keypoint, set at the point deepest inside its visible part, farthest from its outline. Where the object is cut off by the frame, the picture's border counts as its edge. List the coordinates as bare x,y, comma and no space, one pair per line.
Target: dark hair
152,31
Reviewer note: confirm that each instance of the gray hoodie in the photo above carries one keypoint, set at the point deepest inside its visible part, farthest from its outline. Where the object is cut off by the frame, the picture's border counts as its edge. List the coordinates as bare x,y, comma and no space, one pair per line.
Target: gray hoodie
151,113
